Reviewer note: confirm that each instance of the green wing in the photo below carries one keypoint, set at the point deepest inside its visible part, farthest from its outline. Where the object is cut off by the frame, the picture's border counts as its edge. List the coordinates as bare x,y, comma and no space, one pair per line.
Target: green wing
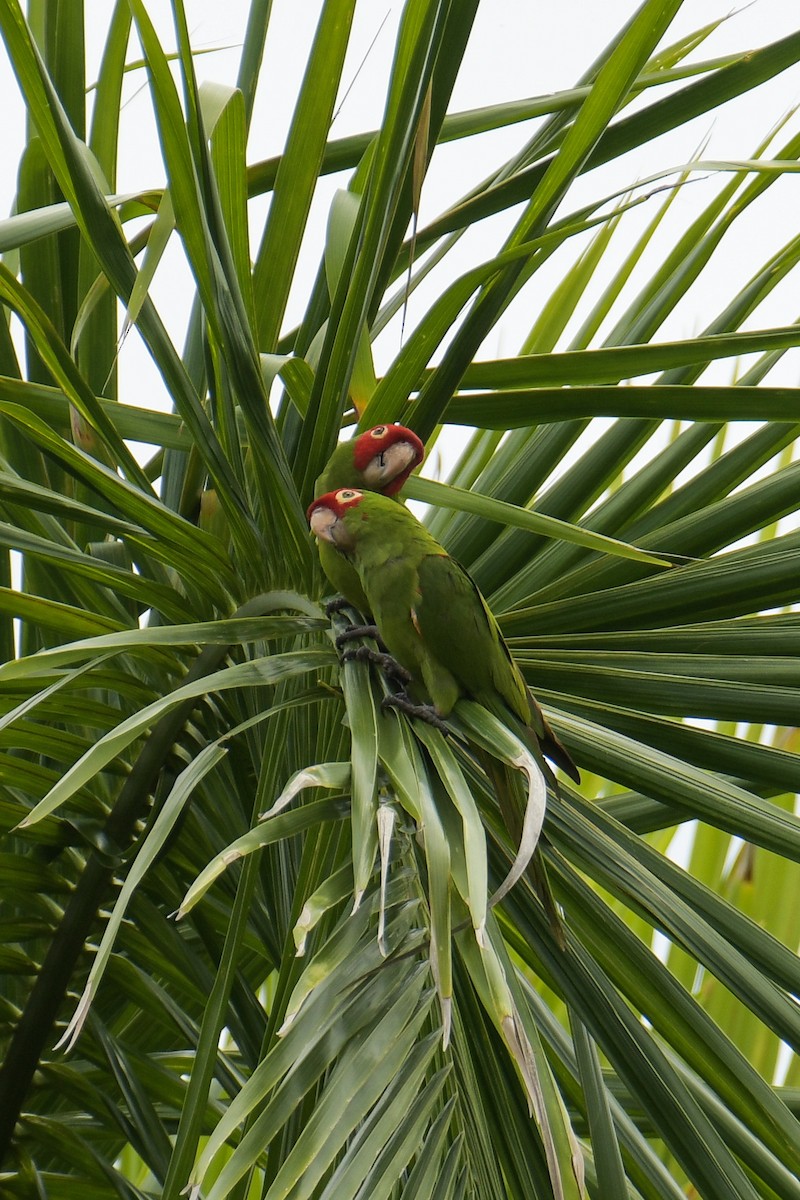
342,576
462,634
459,629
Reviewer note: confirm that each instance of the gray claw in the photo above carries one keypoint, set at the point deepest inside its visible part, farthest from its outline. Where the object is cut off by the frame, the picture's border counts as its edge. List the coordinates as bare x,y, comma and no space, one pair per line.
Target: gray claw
385,661
357,631
425,712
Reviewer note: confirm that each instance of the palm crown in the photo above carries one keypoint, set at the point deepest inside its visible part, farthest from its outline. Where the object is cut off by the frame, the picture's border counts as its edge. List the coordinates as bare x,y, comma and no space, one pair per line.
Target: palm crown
340,1011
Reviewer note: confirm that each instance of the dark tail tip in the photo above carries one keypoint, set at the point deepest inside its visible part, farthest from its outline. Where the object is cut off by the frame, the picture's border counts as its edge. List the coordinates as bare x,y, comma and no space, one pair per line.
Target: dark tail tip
558,754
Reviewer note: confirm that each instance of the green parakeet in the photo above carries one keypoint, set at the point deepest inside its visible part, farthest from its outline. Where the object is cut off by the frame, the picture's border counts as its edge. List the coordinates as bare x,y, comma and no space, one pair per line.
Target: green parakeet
379,460
430,614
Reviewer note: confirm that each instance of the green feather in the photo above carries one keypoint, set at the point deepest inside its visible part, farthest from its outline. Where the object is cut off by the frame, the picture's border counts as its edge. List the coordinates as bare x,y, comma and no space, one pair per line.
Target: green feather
340,472
436,623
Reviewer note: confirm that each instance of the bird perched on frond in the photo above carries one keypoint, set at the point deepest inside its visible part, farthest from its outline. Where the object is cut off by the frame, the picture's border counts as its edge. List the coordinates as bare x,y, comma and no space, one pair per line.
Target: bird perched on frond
378,460
431,615
436,624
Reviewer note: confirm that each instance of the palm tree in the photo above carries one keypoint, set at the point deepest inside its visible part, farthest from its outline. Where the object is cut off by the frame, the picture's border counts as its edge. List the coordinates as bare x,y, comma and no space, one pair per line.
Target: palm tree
341,1011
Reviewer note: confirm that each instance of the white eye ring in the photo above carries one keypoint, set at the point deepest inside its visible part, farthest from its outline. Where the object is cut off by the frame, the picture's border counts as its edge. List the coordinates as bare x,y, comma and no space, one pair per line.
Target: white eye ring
347,494
378,431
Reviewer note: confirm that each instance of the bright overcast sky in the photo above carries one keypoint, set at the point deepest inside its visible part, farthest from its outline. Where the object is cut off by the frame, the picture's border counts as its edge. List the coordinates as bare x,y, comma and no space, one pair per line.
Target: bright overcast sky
519,48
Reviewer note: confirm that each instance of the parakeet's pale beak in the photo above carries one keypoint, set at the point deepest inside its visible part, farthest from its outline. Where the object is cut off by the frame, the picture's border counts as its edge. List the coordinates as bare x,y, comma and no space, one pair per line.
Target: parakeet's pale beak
387,465
322,522
329,528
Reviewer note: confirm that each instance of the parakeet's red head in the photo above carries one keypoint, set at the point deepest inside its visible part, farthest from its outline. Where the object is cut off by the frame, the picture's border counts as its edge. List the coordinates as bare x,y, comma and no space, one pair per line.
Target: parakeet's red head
337,502
385,456
325,516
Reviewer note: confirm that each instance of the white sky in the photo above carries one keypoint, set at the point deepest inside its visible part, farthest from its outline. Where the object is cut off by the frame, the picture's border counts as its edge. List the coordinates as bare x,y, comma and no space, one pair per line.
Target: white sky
518,49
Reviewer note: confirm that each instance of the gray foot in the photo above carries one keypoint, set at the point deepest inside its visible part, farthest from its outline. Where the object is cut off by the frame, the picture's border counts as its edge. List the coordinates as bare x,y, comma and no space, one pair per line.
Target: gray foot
336,605
425,712
353,632
390,666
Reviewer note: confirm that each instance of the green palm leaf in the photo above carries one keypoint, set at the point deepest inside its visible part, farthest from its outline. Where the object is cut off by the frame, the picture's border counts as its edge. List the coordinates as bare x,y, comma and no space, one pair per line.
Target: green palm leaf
285,939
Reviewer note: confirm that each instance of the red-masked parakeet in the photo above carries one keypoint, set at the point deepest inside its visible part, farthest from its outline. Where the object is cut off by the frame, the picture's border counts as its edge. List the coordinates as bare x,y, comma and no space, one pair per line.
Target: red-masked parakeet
430,614
379,460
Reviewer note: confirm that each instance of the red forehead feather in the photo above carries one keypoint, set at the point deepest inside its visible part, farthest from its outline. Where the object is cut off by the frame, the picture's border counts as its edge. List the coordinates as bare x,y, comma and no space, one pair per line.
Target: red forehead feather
368,444
332,501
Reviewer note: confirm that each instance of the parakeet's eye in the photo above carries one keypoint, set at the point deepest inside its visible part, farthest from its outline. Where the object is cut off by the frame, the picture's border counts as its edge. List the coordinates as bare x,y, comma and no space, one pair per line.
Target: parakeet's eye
378,432
346,494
